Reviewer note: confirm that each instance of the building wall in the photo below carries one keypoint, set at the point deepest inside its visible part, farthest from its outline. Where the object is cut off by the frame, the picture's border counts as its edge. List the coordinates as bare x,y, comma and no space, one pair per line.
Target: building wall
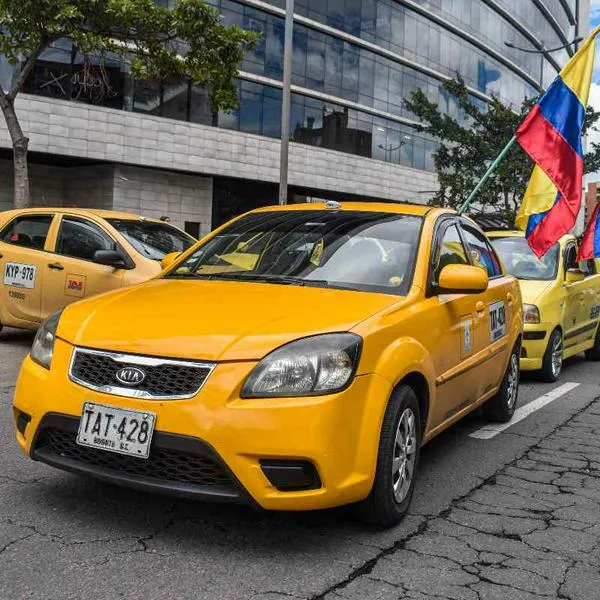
46,185
109,135
153,193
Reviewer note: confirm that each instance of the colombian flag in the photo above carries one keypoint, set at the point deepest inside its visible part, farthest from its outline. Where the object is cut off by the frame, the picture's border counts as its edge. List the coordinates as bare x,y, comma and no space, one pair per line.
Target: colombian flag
590,246
551,135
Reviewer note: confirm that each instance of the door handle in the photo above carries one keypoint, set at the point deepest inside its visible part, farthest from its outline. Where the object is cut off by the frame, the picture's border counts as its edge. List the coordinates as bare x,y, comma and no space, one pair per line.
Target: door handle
480,307
1,255
509,298
56,266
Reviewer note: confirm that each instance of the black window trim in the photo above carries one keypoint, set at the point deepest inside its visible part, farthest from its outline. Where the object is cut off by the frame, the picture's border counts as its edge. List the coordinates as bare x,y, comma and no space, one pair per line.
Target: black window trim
129,263
24,216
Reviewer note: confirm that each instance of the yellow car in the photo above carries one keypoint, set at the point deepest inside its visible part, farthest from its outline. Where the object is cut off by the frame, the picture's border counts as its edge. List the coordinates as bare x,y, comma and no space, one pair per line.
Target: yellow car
304,377
561,302
51,257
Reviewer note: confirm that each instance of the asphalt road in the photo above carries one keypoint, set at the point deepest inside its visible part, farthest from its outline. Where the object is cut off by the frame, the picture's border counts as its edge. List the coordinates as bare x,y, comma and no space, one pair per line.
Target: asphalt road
513,517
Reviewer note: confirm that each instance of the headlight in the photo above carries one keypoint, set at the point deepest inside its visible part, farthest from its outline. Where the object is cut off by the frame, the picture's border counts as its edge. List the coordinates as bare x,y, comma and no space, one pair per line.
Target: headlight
313,366
43,344
531,313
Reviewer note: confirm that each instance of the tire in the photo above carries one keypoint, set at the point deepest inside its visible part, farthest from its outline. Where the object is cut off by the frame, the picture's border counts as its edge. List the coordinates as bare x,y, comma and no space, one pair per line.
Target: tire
501,407
594,353
552,367
397,462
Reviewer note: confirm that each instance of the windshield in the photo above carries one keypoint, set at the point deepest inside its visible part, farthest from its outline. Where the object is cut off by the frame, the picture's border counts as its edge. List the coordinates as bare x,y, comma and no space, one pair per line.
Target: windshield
369,251
520,261
151,239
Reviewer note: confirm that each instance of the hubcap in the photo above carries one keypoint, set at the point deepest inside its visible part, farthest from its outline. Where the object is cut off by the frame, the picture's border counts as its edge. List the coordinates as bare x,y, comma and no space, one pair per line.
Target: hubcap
557,355
405,453
513,381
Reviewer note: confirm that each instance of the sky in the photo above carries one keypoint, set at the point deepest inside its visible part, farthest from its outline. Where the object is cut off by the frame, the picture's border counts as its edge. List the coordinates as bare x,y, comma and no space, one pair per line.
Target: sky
595,89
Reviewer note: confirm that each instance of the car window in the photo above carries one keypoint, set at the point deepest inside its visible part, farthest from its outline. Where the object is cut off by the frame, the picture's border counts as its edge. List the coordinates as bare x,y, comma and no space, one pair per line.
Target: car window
80,238
359,250
450,251
571,257
519,260
30,231
482,253
151,239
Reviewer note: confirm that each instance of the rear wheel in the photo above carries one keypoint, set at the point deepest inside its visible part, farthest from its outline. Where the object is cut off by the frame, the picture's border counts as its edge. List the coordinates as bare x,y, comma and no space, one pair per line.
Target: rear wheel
553,358
594,353
502,406
397,461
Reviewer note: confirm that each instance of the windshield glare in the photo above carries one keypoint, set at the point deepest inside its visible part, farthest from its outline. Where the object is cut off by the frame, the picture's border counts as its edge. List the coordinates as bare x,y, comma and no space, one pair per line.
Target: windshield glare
520,261
151,239
369,251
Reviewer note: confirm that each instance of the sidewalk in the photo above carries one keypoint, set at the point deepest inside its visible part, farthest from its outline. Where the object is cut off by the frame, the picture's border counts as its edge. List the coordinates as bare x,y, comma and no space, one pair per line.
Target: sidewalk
530,532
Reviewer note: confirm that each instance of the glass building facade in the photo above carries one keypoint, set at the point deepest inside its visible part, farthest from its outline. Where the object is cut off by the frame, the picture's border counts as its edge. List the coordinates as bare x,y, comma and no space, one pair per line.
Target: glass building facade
354,63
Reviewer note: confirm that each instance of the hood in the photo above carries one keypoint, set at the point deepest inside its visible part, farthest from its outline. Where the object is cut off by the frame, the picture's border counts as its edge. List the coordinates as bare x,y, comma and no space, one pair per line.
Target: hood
213,320
531,290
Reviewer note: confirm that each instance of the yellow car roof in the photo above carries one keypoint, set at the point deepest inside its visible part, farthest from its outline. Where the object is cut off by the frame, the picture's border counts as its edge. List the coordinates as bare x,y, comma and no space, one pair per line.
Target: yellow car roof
419,210
103,214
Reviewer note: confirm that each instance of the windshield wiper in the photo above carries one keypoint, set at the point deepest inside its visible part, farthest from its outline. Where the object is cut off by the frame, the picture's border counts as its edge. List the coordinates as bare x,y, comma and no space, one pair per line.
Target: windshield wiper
277,279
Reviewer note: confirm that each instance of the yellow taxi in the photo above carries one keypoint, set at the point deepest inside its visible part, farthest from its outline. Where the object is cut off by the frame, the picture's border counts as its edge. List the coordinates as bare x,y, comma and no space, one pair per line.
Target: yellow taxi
51,257
295,359
561,302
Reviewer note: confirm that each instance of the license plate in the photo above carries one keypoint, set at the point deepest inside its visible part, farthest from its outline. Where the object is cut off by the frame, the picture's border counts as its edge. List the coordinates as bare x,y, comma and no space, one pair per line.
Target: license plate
19,275
116,429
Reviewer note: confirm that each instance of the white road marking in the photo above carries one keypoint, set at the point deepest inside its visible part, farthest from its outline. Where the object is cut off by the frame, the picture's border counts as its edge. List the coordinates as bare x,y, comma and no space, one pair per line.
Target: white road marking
487,432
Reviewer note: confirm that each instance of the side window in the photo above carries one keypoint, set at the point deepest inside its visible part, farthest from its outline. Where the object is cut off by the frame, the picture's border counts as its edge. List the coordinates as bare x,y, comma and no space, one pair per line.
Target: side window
81,239
449,252
29,232
481,251
571,258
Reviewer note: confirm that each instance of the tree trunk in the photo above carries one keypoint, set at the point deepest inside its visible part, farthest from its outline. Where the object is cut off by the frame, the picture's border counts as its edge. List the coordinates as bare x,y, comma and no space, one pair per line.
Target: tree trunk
20,144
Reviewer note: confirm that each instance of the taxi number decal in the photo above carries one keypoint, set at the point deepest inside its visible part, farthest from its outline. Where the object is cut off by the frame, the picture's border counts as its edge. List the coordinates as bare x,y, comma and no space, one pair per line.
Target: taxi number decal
595,311
497,320
16,295
20,275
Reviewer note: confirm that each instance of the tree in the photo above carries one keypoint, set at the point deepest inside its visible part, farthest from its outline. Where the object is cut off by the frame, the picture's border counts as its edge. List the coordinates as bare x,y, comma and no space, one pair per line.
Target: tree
475,138
187,40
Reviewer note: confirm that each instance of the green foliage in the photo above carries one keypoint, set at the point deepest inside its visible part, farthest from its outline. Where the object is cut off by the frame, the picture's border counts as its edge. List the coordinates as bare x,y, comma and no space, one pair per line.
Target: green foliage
185,41
471,142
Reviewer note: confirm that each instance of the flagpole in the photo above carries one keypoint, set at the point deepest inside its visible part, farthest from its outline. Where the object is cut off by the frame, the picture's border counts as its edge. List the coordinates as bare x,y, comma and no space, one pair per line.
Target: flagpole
490,171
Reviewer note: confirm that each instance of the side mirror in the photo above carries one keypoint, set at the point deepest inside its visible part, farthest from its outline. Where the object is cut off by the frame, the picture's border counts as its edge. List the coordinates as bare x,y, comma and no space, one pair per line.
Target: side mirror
169,259
110,258
574,275
462,279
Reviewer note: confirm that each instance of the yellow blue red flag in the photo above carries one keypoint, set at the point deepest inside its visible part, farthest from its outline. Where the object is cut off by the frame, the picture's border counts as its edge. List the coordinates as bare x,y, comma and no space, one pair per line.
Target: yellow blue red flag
551,136
590,245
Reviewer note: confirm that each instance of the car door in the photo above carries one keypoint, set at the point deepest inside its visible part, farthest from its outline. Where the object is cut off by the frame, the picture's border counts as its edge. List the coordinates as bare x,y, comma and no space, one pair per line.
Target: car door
23,250
574,320
452,325
493,311
590,306
71,273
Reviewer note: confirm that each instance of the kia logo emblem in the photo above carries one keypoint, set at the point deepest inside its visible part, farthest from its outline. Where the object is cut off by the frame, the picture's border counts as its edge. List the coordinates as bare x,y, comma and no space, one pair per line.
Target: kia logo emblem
130,375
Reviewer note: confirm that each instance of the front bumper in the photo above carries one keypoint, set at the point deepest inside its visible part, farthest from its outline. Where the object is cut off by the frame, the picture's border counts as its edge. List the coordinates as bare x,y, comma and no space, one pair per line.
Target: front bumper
533,348
337,434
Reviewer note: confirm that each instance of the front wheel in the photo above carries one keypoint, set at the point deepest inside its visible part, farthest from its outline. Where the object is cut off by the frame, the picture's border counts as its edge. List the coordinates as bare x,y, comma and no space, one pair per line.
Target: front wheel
501,407
397,461
594,352
552,363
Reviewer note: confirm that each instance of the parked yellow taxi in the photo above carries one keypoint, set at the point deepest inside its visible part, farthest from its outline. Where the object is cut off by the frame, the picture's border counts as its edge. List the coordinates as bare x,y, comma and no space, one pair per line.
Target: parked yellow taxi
561,302
297,358
52,257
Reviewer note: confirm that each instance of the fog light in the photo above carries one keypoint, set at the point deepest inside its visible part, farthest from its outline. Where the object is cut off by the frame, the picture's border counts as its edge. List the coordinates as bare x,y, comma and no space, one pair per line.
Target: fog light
21,421
291,475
